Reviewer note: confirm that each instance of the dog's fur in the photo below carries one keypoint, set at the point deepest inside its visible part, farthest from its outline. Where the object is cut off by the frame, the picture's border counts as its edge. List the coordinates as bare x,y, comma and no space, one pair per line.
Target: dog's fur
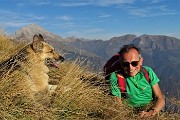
31,60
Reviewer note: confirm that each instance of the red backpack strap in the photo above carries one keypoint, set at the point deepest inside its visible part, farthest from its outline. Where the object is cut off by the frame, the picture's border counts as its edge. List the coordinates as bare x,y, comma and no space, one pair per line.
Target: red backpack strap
146,74
122,84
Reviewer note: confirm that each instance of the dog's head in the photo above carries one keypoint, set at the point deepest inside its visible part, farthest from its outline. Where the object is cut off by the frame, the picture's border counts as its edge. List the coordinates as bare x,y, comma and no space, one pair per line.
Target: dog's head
45,51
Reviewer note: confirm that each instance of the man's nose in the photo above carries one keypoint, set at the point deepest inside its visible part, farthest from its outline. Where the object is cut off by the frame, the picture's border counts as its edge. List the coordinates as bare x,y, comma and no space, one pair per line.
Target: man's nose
131,67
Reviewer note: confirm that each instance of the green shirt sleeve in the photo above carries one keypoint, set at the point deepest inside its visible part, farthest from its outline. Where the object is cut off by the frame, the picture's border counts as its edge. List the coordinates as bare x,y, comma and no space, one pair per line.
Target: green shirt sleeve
114,85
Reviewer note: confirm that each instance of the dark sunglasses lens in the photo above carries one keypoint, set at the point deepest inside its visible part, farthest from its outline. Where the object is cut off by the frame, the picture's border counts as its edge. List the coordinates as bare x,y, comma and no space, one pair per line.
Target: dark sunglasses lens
134,63
125,64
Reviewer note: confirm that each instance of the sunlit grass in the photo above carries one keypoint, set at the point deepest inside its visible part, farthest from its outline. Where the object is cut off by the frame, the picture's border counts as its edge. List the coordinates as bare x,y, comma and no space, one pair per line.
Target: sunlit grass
80,94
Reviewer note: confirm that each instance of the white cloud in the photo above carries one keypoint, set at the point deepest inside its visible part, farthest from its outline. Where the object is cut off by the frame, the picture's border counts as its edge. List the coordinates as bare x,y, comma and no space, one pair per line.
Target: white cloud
154,1
73,4
151,11
65,18
33,2
21,4
94,30
6,13
34,17
139,12
10,19
104,3
16,24
41,3
105,15
113,2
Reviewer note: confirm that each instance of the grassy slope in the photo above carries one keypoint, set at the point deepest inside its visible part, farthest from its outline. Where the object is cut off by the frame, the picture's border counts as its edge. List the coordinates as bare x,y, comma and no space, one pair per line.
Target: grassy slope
74,98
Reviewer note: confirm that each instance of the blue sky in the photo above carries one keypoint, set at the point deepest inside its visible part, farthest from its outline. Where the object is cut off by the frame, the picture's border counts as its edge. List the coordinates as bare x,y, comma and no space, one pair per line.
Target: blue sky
93,19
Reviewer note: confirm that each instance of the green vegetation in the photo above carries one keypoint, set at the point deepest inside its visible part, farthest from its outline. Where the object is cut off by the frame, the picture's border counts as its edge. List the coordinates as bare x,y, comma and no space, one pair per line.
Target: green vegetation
79,95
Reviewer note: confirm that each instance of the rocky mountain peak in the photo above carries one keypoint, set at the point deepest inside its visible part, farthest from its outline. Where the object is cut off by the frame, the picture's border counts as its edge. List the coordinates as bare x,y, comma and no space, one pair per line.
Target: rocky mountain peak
124,37
26,33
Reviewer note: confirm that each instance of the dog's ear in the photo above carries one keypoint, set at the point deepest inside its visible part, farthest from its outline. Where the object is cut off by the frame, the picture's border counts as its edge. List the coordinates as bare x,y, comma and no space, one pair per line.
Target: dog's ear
37,44
41,37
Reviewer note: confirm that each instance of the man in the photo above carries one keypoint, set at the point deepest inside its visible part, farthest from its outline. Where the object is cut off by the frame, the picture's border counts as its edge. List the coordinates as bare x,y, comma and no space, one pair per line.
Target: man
139,91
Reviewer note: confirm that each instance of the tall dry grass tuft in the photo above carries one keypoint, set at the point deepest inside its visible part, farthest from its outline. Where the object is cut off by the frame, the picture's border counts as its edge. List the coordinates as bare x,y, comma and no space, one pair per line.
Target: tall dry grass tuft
76,98
80,94
14,93
8,47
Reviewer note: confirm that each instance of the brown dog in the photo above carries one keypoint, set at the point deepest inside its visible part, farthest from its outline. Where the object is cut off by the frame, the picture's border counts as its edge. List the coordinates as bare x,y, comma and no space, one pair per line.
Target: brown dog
31,60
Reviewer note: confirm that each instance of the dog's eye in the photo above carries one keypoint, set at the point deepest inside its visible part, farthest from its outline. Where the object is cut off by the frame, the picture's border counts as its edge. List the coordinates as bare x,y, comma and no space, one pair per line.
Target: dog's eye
51,51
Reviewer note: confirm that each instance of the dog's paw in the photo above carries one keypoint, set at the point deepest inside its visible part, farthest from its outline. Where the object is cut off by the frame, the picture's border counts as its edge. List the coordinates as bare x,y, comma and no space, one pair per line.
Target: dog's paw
52,88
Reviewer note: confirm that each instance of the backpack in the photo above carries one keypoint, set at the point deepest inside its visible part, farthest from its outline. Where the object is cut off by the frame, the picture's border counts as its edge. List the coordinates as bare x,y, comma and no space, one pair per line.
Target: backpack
113,65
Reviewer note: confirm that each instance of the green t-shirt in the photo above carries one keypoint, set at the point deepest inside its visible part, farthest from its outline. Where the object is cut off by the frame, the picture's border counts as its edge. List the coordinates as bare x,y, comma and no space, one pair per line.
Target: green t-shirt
139,91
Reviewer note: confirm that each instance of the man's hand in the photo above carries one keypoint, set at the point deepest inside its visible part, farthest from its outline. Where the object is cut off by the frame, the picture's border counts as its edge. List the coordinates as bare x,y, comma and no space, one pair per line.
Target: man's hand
148,114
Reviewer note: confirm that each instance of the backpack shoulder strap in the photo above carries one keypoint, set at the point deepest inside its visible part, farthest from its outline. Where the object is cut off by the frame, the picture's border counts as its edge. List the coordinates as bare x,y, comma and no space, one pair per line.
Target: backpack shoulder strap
121,84
146,74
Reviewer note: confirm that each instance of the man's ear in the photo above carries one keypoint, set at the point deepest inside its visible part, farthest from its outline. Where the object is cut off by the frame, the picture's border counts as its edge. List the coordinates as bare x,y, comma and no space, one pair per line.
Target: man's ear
37,44
141,61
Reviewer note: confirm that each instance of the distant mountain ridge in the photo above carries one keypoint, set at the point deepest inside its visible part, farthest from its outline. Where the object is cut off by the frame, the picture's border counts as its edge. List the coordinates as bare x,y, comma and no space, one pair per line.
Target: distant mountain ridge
104,49
27,32
160,52
71,53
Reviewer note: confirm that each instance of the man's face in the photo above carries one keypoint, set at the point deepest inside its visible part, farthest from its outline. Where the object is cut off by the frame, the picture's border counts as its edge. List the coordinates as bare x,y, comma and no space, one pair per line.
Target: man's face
131,62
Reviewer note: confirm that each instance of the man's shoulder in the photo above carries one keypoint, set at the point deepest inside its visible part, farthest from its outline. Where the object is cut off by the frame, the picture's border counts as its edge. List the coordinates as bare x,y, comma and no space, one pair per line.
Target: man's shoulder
149,69
152,75
113,74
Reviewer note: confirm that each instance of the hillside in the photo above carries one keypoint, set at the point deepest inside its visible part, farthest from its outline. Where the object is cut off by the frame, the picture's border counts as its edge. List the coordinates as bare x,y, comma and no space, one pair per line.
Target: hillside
159,52
74,98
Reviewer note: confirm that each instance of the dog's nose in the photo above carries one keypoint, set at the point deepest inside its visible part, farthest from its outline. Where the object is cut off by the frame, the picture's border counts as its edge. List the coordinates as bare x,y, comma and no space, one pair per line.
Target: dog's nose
61,59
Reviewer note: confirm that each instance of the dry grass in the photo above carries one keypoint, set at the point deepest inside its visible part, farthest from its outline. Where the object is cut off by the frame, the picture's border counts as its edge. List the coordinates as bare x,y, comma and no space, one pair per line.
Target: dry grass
76,97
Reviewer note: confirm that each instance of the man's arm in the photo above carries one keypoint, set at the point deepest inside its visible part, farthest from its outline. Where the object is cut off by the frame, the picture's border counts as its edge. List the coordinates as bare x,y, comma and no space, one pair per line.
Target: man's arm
160,98
114,85
158,105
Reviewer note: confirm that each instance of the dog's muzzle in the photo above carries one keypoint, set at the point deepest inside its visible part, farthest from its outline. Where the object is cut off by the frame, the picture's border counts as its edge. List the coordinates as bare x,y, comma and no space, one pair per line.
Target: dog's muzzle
54,62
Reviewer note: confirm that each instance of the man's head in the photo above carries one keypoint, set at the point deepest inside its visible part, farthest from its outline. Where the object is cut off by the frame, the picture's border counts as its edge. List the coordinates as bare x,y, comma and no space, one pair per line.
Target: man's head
131,59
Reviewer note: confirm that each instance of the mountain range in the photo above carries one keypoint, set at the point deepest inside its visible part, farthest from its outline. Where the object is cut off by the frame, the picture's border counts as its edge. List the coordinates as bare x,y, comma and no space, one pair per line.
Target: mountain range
160,52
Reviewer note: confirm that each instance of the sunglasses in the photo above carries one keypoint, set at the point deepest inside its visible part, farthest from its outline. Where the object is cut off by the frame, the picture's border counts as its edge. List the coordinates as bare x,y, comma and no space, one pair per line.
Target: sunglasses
133,63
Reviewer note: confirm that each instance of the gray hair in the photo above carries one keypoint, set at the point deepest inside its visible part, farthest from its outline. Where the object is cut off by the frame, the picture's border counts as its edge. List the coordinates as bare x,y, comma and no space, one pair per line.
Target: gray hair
127,48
